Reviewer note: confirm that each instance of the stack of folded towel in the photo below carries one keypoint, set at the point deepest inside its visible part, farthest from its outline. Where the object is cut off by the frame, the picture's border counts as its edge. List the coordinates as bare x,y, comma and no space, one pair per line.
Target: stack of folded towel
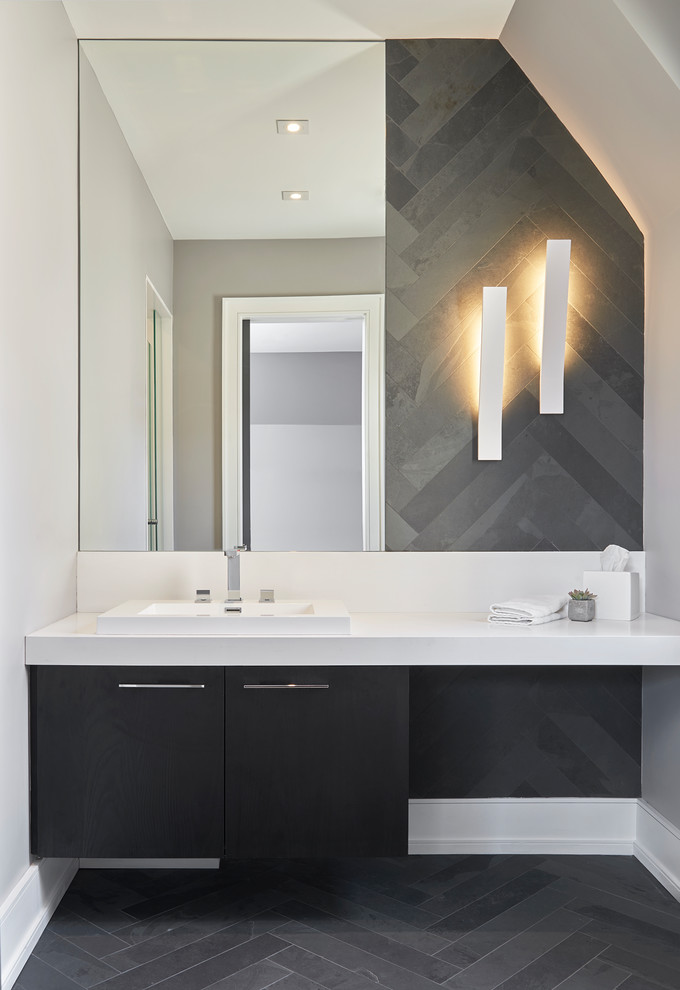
530,611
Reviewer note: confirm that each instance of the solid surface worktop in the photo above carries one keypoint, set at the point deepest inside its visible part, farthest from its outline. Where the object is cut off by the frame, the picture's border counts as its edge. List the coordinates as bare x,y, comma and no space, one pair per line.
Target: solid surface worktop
377,638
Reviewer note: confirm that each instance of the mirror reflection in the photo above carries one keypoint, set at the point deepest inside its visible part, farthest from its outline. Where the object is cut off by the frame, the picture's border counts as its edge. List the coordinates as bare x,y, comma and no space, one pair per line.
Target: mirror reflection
302,438
184,176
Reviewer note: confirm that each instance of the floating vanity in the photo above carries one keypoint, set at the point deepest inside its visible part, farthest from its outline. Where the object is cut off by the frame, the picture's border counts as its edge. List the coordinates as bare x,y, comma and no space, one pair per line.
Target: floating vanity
204,746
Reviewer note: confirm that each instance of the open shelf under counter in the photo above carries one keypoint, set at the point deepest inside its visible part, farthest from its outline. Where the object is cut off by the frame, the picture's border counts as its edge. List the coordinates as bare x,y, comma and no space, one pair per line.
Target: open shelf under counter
376,638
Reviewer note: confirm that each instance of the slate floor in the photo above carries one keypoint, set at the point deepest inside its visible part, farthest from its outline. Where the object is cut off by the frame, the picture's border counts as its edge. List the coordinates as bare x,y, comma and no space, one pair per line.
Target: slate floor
417,923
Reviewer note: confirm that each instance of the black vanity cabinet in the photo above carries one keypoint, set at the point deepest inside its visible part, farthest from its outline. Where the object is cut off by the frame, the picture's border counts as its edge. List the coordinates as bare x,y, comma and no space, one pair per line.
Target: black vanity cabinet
317,761
127,761
140,762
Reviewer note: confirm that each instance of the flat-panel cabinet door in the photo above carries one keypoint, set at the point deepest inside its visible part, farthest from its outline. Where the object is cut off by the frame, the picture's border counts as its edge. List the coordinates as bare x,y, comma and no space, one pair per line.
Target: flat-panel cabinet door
127,761
317,761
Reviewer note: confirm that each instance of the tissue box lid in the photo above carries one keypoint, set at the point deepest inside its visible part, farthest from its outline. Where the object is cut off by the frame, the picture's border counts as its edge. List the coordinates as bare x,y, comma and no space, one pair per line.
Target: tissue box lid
618,593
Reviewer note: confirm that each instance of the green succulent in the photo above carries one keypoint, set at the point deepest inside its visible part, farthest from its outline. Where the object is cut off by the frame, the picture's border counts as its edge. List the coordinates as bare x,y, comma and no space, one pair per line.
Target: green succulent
581,596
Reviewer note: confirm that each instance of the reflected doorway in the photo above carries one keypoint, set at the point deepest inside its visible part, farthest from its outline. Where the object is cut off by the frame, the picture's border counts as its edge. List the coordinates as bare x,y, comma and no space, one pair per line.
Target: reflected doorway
159,450
303,423
302,434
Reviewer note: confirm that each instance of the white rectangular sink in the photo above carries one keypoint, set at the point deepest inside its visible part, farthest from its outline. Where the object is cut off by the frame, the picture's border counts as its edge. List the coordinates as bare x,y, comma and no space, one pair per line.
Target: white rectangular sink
249,618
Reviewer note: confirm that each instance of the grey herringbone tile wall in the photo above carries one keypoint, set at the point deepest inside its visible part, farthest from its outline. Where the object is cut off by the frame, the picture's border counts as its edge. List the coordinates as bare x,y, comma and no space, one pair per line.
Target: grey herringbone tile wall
480,732
480,172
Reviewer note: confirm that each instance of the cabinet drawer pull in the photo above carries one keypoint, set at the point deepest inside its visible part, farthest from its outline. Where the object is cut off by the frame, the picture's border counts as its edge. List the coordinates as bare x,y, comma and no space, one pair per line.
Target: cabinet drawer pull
161,685
285,687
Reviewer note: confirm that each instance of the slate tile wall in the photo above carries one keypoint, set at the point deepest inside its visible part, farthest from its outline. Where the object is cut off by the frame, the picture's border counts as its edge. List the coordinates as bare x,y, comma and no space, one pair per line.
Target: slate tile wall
480,172
480,732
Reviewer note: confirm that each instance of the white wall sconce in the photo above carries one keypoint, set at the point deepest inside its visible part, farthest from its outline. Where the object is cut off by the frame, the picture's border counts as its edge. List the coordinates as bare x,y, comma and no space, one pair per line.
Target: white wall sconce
491,365
555,301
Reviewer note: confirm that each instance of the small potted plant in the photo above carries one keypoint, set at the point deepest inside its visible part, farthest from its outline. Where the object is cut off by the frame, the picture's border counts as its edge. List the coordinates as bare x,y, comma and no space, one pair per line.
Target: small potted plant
582,605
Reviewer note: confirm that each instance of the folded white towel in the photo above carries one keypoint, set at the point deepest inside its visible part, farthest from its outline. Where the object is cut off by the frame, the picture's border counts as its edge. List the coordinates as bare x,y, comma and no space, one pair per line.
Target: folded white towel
530,611
499,620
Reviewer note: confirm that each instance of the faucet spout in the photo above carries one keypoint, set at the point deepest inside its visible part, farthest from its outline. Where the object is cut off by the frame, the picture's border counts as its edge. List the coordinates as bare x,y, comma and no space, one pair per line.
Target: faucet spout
234,574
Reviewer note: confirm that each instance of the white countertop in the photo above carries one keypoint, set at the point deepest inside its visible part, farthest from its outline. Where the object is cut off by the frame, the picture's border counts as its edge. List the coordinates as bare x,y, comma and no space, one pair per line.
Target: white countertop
377,638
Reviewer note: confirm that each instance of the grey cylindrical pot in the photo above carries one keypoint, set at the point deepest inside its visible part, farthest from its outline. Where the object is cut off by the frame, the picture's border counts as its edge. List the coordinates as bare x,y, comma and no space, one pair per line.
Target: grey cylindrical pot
582,610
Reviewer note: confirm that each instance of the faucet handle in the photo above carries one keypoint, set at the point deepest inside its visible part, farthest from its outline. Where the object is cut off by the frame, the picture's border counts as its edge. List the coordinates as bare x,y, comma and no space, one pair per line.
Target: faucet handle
235,551
266,595
202,595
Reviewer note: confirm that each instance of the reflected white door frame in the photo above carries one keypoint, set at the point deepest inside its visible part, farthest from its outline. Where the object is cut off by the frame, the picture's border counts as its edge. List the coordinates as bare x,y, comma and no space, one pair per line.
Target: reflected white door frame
161,342
371,309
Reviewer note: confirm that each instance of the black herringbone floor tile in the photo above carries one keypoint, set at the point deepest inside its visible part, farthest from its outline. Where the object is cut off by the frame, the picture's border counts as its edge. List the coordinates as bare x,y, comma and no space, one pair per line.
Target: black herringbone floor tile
411,923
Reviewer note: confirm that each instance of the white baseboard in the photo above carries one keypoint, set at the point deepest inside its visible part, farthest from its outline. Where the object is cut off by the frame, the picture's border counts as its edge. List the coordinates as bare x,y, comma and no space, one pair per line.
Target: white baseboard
149,864
657,846
554,826
26,911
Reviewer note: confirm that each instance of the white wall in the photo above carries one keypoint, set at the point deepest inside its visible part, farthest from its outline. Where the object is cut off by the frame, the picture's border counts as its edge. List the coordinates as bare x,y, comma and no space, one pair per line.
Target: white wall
124,239
662,414
661,690
607,87
661,740
38,374
366,582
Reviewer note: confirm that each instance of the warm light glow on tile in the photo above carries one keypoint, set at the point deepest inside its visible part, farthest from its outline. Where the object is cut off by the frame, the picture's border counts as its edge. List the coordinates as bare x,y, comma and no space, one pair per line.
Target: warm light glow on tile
555,304
471,364
491,367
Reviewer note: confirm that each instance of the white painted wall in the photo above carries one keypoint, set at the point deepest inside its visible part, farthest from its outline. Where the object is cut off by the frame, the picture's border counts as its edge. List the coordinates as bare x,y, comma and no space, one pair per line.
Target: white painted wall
658,24
661,691
661,740
606,86
124,239
38,376
662,413
366,582
297,19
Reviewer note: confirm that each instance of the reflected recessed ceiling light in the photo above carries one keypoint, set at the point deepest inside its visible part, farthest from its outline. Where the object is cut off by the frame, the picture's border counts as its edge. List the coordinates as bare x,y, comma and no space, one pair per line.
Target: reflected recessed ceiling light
292,126
295,194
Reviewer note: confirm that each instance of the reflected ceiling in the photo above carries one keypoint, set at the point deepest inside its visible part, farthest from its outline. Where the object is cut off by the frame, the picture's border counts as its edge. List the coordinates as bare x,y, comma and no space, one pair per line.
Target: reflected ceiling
200,120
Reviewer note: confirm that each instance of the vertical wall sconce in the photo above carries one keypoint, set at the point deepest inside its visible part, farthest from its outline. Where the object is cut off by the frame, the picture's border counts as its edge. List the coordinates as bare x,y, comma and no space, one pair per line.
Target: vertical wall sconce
491,364
557,257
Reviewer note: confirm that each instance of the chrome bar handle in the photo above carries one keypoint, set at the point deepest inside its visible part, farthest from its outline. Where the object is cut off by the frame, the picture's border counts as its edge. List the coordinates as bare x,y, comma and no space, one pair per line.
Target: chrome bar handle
165,686
286,687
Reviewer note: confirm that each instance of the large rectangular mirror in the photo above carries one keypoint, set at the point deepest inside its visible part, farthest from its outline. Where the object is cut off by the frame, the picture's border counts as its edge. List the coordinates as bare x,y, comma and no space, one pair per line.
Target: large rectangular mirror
186,174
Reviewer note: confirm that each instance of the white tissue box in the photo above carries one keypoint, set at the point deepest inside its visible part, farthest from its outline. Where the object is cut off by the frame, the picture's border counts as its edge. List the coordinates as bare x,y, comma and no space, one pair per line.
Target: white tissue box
618,593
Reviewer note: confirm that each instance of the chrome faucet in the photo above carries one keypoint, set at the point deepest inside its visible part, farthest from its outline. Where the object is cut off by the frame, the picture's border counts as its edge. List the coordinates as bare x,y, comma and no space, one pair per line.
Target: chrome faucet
234,574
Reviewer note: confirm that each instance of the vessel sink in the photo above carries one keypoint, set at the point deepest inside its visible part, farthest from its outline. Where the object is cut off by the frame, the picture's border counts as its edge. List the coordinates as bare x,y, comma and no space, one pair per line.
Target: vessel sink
294,618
